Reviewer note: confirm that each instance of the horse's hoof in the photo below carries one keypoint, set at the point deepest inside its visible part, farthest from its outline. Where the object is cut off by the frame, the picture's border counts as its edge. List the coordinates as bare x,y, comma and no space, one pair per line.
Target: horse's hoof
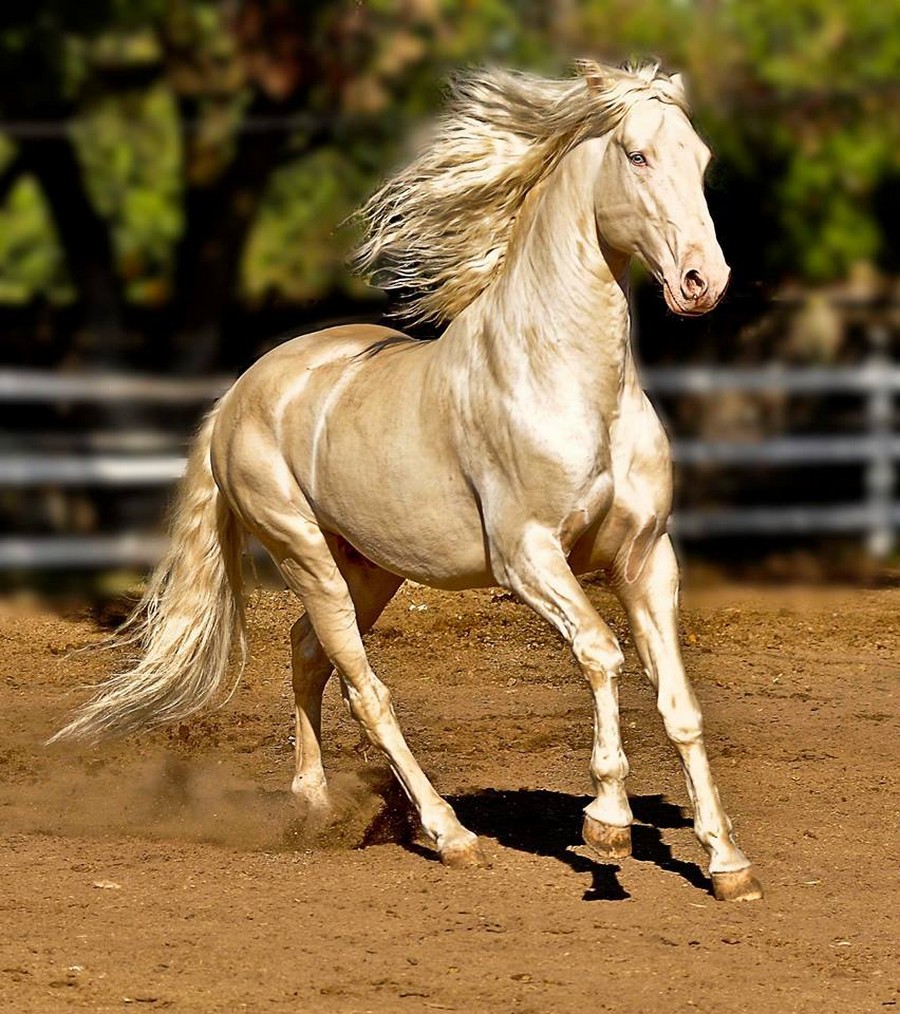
607,841
740,885
311,793
467,854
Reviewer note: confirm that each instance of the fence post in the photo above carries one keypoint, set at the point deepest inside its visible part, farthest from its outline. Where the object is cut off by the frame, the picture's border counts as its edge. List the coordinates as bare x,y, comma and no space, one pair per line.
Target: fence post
880,472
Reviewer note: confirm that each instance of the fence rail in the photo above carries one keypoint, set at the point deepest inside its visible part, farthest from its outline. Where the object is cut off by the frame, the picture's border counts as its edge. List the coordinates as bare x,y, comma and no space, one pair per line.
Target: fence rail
140,459
17,470
17,386
877,374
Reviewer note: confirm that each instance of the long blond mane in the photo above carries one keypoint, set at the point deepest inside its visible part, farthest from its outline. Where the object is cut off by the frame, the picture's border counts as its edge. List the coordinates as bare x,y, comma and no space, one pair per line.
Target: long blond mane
438,230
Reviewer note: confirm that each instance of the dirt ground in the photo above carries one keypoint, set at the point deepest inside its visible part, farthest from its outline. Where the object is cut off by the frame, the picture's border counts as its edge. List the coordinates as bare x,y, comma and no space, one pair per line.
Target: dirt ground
173,872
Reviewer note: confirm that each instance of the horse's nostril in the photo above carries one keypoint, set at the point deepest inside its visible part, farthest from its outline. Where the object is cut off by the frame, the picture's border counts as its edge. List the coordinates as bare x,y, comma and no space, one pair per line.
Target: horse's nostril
693,285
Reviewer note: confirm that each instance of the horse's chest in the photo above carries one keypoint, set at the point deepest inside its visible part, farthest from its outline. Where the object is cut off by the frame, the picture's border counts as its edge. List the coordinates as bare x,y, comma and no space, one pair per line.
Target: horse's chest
640,497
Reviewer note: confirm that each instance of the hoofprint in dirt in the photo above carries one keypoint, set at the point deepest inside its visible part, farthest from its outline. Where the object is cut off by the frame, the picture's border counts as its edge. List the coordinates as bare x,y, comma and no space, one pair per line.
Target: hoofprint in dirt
173,871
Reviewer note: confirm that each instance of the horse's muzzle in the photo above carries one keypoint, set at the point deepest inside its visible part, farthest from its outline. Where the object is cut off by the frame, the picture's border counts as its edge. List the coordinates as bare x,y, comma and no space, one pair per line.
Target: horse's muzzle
697,291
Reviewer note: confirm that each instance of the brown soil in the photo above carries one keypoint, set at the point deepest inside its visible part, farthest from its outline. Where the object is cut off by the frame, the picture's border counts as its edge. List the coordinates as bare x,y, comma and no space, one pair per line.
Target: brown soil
172,871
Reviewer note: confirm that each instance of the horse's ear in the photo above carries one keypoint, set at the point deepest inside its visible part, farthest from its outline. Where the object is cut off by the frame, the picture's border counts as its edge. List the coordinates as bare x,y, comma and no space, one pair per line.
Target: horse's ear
597,83
596,77
678,81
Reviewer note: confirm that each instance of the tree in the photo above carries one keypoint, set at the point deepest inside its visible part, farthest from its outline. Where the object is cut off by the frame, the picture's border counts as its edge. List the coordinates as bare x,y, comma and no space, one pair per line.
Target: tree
249,86
211,146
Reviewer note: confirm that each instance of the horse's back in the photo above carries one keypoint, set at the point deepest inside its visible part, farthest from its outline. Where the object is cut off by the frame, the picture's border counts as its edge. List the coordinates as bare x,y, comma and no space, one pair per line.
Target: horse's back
298,357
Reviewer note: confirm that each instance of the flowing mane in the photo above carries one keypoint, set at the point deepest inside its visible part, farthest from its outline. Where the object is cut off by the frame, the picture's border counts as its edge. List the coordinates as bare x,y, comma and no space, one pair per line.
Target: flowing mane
437,231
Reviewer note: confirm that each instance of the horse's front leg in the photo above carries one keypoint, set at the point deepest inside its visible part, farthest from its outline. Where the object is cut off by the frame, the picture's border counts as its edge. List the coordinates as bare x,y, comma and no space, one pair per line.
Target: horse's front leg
651,601
535,568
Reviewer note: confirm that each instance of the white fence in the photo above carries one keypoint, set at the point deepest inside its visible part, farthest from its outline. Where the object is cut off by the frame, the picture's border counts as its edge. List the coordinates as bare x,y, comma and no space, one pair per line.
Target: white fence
877,381
136,458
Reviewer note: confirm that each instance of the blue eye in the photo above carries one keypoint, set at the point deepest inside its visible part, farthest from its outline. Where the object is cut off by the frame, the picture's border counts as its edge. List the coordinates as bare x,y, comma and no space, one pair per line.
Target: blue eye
636,158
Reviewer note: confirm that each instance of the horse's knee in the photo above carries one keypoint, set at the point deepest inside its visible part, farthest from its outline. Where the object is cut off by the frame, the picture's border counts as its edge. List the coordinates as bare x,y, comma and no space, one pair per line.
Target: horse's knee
681,717
370,703
598,653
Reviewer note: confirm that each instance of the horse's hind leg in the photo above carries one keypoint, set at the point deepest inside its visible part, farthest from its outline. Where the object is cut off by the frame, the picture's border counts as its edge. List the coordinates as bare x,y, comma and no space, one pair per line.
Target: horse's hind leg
308,565
310,669
651,603
371,588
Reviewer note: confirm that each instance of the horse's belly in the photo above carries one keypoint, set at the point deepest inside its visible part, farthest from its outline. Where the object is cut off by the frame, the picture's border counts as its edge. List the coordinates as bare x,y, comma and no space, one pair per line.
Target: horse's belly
427,535
451,566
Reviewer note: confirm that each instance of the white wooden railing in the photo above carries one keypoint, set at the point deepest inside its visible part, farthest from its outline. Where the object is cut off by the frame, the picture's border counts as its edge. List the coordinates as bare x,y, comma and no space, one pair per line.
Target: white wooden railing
877,380
132,459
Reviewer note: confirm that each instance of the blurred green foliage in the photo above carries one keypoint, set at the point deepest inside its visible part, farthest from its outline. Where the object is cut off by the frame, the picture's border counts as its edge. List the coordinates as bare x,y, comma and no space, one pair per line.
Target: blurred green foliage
131,153
297,249
31,262
798,99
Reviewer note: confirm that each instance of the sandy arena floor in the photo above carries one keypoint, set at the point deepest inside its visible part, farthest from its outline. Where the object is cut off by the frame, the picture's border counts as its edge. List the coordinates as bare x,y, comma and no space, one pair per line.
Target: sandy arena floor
172,872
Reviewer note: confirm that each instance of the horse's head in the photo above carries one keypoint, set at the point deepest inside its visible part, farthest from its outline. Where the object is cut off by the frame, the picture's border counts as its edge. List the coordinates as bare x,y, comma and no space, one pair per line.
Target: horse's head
649,198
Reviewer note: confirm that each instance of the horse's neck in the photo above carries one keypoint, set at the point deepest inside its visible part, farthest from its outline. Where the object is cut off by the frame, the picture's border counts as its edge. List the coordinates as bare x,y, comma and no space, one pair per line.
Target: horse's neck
559,309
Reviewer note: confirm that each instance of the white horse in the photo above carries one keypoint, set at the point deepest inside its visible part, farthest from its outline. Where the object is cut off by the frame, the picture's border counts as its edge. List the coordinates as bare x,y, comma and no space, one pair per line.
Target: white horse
517,450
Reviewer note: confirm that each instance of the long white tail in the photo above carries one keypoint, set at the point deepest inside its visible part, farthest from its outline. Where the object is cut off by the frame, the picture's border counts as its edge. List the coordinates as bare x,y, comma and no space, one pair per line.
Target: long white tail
185,624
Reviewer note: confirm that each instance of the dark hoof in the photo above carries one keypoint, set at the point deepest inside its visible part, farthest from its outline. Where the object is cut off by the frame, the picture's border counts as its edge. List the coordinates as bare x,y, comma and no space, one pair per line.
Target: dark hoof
608,842
740,885
464,855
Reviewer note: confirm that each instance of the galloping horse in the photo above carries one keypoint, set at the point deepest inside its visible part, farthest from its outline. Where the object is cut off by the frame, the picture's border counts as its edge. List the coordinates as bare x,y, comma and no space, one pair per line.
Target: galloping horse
517,450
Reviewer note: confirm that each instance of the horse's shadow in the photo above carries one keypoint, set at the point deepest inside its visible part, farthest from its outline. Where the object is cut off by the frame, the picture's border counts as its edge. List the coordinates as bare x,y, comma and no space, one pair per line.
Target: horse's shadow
547,823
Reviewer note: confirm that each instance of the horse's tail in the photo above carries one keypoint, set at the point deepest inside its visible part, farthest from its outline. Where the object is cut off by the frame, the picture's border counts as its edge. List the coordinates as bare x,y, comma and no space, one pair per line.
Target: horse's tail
185,624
